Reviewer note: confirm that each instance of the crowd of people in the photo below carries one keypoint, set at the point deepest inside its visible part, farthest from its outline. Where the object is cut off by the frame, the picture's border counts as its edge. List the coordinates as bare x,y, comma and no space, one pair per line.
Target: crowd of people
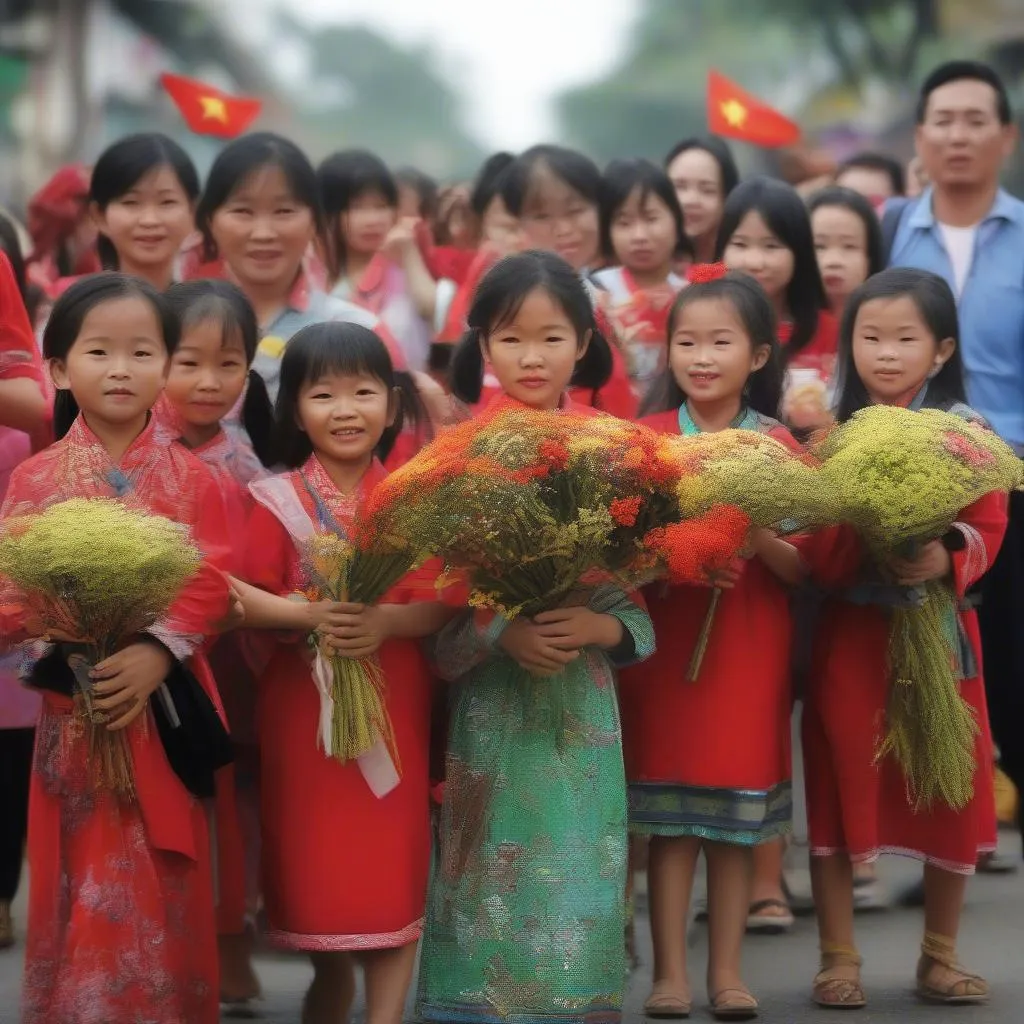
250,355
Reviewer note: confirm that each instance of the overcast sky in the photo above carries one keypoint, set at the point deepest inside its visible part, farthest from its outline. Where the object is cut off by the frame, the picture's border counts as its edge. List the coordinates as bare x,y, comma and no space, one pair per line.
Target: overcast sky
510,56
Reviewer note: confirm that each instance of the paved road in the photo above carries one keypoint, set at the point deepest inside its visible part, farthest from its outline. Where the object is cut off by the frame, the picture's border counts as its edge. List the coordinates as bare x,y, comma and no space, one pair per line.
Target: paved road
779,969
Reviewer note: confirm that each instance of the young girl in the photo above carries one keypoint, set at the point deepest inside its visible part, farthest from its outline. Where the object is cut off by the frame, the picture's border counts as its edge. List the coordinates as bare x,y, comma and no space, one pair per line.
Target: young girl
703,173
898,346
210,371
374,259
142,197
727,788
555,194
120,889
527,903
345,867
848,240
642,235
766,232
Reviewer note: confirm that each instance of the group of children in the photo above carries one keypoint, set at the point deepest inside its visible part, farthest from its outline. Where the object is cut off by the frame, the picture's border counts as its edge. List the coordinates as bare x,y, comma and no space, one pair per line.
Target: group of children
259,402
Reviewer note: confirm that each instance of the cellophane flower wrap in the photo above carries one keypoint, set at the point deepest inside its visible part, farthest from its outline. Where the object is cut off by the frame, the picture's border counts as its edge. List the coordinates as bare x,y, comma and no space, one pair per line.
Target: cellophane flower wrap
763,483
901,478
94,569
534,508
360,568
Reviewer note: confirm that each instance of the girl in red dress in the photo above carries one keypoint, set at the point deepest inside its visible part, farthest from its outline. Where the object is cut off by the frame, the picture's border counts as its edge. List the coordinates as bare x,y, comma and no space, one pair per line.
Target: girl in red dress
210,372
643,237
121,919
766,232
345,852
898,347
727,788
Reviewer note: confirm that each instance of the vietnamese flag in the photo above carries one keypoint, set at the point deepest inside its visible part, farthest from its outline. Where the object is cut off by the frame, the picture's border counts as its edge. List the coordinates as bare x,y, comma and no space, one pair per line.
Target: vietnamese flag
738,115
208,111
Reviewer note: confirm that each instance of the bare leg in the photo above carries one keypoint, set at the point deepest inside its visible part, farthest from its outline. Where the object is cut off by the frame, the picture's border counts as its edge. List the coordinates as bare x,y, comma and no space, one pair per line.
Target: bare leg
388,976
940,977
767,883
838,982
730,870
329,997
670,870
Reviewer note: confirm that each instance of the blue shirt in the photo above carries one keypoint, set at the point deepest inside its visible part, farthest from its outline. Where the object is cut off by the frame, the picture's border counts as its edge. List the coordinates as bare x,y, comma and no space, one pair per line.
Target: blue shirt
991,305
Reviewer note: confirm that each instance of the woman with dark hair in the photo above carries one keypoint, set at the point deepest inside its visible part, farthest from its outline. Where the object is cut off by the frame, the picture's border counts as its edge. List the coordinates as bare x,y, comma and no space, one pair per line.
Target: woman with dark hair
703,173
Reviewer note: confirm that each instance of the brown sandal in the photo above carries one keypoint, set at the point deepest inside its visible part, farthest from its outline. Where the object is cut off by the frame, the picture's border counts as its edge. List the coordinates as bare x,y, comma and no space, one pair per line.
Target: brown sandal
733,1004
965,990
838,993
665,1003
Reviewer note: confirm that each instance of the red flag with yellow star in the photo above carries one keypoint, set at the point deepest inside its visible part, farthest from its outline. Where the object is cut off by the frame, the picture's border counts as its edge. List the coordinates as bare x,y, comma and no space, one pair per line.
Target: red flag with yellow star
738,115
208,111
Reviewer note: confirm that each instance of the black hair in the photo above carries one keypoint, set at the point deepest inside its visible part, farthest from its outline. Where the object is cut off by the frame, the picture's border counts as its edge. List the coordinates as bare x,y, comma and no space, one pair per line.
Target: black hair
763,392
498,299
333,347
719,151
881,162
71,309
579,172
122,165
848,199
424,186
244,157
787,218
489,181
958,71
343,177
936,303
198,302
621,177
10,243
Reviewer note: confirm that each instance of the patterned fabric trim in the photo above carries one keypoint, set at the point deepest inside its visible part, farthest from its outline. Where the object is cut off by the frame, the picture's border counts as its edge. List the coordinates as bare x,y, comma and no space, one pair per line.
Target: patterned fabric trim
344,943
976,557
487,1015
743,816
902,851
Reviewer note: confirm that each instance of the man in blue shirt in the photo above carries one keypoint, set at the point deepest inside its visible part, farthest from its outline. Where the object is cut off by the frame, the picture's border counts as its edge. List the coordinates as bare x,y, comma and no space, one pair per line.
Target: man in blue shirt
965,228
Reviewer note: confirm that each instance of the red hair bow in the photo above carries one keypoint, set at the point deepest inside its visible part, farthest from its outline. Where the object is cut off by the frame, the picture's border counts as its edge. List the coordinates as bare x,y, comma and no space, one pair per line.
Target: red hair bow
701,273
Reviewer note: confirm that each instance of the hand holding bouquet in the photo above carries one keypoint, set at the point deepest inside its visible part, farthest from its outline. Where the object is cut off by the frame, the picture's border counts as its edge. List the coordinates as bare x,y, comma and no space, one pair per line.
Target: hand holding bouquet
902,478
97,573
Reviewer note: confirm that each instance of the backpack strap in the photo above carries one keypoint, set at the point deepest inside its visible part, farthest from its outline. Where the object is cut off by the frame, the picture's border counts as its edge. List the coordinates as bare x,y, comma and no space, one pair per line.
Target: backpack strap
891,220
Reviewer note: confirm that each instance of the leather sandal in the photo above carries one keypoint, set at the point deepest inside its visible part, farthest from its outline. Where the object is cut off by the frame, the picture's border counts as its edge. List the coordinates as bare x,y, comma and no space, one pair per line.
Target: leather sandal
733,1004
964,989
666,1003
834,992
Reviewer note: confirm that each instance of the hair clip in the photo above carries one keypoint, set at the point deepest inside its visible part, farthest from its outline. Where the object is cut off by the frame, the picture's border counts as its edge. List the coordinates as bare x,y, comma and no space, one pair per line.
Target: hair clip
702,273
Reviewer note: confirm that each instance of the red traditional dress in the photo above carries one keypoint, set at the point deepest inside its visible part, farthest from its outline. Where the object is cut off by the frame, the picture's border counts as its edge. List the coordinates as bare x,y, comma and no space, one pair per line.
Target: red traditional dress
232,657
854,805
121,922
640,318
343,869
711,758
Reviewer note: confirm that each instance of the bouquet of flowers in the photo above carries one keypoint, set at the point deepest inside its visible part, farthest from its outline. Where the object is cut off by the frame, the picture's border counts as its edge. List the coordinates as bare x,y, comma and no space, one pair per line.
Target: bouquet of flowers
901,478
93,569
771,486
361,569
536,507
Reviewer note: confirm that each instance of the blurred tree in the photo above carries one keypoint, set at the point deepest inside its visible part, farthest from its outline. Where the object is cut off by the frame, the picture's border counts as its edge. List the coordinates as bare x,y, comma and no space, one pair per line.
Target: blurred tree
366,91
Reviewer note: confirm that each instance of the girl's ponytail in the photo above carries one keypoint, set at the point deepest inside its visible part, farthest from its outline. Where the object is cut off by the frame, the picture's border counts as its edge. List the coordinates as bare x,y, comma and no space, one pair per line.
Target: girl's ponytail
258,418
466,372
65,412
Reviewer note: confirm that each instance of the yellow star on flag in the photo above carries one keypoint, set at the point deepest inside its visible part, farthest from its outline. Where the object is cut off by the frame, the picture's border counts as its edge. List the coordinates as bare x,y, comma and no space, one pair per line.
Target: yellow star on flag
214,109
735,113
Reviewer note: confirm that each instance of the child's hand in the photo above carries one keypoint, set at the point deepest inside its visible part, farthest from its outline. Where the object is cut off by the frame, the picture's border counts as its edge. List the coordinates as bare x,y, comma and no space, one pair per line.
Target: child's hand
932,562
726,579
36,629
400,239
127,679
234,617
523,642
355,630
573,628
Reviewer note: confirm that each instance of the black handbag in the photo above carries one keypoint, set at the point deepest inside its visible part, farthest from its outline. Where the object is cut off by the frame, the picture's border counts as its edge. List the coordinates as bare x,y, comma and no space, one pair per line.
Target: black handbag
194,738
